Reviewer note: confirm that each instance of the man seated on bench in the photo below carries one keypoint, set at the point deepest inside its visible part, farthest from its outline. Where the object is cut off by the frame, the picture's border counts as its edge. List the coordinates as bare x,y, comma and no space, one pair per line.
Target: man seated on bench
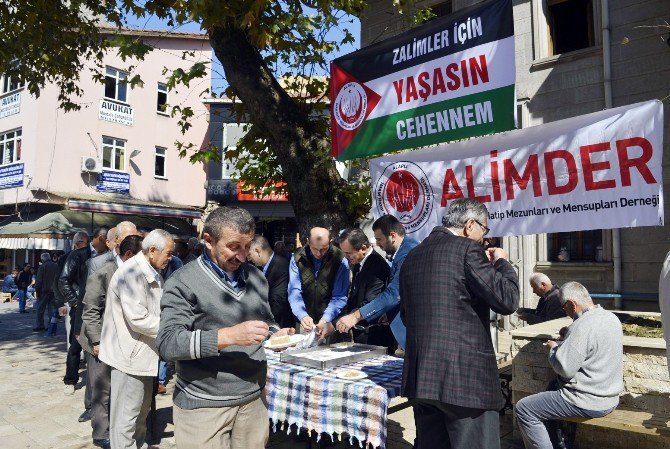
549,305
9,283
589,365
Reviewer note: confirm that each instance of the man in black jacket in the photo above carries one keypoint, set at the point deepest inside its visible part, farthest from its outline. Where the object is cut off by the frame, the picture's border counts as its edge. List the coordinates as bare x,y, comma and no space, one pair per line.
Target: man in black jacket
548,307
44,280
370,272
448,286
275,269
71,284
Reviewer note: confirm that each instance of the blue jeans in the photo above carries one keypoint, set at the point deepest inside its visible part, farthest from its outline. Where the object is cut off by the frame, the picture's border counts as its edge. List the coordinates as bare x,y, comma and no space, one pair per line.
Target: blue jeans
22,300
52,327
533,412
162,372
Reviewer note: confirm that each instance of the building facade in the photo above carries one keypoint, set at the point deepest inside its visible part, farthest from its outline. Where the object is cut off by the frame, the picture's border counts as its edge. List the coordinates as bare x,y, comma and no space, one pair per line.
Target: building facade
116,157
274,214
575,57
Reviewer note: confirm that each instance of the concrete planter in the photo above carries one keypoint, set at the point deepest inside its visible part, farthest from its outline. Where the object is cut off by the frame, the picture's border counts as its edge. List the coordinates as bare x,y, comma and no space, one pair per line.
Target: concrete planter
646,380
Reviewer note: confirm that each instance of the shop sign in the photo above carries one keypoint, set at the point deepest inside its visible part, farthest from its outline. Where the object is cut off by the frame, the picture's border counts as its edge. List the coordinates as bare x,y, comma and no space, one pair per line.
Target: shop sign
113,182
111,111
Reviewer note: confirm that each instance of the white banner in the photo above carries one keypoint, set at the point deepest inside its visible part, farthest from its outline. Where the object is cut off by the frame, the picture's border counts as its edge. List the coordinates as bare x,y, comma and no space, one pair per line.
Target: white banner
596,171
115,112
10,105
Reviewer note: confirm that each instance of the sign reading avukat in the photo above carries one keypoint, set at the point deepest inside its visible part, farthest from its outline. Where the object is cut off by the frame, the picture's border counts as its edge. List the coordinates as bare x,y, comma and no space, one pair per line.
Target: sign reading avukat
449,79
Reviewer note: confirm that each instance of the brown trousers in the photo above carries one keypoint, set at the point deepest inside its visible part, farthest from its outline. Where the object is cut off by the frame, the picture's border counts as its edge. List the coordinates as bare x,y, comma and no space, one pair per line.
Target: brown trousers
242,427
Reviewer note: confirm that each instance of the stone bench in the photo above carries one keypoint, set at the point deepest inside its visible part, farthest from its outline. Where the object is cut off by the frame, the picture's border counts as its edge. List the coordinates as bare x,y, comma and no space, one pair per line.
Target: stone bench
629,420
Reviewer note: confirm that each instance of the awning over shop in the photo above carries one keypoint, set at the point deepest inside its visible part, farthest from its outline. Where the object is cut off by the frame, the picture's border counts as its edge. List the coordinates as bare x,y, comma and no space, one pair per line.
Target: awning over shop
267,209
130,209
53,229
33,243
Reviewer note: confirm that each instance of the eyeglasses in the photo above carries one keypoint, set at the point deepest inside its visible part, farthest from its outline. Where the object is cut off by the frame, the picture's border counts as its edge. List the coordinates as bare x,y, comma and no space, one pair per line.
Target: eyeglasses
486,230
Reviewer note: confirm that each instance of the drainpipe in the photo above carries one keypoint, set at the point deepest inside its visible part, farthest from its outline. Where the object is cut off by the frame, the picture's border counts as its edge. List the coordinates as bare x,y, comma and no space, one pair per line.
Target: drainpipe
607,84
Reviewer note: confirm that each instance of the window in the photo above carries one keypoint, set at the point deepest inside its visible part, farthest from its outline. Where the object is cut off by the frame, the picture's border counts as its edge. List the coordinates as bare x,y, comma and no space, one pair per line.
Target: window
159,166
10,146
232,133
570,25
116,84
442,9
162,99
9,83
563,26
580,246
113,153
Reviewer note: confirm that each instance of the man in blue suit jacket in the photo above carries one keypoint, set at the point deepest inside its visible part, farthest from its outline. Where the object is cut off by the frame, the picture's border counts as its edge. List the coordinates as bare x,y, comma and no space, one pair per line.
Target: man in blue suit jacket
389,236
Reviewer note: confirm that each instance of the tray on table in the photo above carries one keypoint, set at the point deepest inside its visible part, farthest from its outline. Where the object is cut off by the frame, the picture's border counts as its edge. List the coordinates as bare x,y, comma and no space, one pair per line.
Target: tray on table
331,356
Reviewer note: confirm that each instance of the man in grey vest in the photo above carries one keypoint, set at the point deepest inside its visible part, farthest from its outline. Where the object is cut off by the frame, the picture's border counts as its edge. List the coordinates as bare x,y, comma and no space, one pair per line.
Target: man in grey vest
318,282
214,317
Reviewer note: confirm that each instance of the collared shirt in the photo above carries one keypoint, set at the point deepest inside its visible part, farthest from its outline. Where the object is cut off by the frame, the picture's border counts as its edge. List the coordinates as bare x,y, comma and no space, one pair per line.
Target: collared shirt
93,251
366,257
265,267
236,281
119,261
157,276
340,288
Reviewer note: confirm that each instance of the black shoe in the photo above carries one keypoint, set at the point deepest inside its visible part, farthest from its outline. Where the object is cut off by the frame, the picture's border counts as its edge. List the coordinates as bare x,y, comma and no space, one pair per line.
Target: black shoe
86,416
104,444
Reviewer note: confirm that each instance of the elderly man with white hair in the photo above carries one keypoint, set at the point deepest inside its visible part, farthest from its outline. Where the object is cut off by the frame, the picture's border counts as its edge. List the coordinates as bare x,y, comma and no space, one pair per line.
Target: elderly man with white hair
589,365
128,340
548,307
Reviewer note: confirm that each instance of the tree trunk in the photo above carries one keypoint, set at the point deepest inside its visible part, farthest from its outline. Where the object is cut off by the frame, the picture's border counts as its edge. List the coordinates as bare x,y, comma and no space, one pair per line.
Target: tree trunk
315,188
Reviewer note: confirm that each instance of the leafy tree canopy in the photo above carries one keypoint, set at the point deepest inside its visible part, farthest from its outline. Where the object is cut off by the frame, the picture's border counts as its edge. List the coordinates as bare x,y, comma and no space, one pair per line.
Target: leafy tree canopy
258,43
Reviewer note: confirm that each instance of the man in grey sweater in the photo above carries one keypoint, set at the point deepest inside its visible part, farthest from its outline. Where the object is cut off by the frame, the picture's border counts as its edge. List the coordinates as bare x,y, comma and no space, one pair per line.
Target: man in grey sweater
214,317
589,365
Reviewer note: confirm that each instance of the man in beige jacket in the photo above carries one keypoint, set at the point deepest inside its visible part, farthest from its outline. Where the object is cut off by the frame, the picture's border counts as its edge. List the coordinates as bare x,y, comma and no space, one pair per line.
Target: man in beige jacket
128,340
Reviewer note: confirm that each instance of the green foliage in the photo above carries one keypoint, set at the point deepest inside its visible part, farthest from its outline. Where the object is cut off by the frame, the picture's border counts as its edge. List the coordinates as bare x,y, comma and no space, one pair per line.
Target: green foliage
48,41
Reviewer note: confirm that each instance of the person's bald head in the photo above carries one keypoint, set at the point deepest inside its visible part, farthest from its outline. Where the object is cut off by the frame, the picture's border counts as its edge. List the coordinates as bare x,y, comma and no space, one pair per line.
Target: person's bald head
318,241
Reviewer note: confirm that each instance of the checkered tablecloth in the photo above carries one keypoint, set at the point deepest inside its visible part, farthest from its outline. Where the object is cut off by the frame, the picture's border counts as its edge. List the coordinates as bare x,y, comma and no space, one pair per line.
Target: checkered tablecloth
317,400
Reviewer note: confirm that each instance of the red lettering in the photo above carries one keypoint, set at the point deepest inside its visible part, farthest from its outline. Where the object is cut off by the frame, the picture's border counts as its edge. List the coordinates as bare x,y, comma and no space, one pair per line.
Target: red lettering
592,167
455,82
424,91
398,90
626,163
438,81
495,181
479,70
469,180
411,90
511,174
552,184
450,183
464,73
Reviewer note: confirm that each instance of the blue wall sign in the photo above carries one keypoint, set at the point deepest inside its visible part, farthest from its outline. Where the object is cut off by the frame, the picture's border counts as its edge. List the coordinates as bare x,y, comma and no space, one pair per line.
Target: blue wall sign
113,181
11,176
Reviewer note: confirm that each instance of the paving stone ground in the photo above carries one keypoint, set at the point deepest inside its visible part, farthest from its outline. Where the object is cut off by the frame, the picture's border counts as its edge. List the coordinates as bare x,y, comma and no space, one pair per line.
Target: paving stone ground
35,412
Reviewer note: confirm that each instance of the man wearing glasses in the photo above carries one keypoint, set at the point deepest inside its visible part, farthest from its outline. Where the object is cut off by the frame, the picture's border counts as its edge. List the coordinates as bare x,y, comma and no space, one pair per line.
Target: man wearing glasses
448,286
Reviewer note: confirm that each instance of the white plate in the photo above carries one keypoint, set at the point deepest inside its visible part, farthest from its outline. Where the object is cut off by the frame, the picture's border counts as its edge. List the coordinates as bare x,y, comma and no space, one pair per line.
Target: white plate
294,340
342,374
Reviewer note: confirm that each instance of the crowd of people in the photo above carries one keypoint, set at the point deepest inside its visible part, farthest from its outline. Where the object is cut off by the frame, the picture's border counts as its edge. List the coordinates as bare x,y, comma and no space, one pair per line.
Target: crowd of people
137,300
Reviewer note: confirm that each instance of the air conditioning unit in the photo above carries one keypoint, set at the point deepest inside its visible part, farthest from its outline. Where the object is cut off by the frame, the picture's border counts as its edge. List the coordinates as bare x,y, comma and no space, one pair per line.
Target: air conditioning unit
91,164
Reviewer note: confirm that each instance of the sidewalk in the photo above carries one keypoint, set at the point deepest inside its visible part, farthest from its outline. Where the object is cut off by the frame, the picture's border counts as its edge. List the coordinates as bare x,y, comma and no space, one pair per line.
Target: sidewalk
35,413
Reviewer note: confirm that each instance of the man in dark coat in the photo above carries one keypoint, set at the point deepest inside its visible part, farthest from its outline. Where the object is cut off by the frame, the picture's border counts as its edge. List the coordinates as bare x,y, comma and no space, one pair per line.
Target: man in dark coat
370,271
44,280
71,283
275,269
548,307
448,286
